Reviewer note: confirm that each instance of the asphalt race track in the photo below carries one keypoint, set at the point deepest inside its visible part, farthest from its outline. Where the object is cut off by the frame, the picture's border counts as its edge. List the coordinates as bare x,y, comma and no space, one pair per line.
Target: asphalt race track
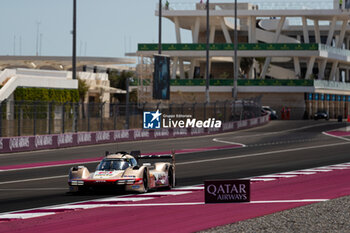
280,146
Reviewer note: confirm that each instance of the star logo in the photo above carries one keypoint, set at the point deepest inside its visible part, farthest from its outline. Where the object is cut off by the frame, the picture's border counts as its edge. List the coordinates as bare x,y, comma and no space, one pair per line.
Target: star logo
156,115
151,120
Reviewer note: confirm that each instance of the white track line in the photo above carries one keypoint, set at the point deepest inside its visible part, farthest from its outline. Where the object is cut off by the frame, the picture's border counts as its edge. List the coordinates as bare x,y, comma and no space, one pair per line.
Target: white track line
202,203
317,170
262,179
166,193
279,132
334,168
33,189
156,204
277,176
34,179
49,166
60,205
262,153
227,142
25,215
289,201
32,215
298,173
334,136
124,199
82,206
189,188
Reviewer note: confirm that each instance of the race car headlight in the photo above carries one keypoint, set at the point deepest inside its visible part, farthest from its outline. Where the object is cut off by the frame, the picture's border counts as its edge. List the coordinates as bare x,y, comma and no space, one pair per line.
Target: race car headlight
130,181
121,182
77,182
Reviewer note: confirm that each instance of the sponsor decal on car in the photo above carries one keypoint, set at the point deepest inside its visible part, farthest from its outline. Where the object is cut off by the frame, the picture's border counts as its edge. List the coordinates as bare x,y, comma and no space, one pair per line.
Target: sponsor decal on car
100,181
160,178
105,174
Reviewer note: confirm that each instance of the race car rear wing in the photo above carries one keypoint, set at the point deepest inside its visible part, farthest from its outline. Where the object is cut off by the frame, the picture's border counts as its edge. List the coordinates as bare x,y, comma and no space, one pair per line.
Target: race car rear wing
138,155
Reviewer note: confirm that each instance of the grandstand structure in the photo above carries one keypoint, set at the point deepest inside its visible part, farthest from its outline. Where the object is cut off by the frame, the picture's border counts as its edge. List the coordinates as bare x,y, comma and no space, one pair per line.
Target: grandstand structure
292,54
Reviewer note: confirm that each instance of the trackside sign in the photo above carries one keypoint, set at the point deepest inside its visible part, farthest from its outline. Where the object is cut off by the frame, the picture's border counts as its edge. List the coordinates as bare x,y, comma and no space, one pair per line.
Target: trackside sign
227,191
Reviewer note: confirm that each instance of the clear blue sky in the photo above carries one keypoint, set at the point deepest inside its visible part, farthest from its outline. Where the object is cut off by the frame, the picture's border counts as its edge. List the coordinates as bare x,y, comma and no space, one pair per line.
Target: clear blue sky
105,27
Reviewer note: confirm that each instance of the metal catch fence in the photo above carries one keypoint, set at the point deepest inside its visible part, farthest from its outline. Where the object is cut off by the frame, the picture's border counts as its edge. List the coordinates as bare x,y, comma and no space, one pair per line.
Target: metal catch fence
20,118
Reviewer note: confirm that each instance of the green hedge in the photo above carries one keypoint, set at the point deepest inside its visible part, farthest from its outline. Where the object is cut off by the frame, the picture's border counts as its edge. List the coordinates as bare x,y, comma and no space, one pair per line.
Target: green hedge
47,95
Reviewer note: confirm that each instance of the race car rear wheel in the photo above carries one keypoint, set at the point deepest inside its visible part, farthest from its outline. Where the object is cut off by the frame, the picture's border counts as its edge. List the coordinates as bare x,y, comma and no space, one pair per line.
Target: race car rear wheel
145,181
171,178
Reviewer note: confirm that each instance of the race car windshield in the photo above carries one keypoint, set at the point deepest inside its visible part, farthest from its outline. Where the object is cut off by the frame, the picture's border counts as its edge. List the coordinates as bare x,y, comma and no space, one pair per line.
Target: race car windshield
109,164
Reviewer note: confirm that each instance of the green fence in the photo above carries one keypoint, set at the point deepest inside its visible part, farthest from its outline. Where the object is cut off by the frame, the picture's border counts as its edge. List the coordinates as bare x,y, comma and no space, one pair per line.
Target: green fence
241,82
241,46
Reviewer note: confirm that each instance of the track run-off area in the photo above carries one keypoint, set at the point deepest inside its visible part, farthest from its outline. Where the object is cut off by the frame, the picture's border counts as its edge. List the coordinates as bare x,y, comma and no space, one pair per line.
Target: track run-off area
290,164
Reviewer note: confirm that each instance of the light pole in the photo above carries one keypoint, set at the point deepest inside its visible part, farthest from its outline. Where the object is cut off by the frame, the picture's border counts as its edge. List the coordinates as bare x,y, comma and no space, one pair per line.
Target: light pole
74,58
160,28
207,97
37,37
127,114
235,77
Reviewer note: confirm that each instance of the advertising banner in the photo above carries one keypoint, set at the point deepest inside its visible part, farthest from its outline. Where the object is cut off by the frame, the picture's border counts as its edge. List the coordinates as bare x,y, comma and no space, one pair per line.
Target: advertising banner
161,79
226,191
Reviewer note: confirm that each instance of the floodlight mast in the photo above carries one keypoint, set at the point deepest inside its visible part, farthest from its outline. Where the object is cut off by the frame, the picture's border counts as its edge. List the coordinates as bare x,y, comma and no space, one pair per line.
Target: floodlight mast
160,29
74,56
207,97
235,77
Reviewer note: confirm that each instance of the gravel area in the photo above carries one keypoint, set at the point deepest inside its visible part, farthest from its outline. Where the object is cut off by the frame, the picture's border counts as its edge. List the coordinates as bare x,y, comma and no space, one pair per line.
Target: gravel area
329,216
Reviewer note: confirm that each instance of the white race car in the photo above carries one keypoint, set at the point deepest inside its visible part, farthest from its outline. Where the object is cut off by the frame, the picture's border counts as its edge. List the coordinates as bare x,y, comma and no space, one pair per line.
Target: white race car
122,170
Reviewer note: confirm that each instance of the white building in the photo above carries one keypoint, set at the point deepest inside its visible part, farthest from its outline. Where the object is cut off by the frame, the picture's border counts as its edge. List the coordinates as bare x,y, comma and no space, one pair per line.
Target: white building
296,49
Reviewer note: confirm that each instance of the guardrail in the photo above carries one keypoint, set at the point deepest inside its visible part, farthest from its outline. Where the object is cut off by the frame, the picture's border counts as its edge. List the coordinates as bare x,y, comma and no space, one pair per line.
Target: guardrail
56,141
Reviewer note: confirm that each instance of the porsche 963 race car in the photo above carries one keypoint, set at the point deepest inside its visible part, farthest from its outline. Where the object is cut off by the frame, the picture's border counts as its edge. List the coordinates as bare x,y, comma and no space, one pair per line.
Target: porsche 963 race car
123,171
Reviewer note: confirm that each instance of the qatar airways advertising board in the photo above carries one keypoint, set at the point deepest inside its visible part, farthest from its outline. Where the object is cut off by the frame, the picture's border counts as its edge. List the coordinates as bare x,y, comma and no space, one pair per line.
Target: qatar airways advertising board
227,191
